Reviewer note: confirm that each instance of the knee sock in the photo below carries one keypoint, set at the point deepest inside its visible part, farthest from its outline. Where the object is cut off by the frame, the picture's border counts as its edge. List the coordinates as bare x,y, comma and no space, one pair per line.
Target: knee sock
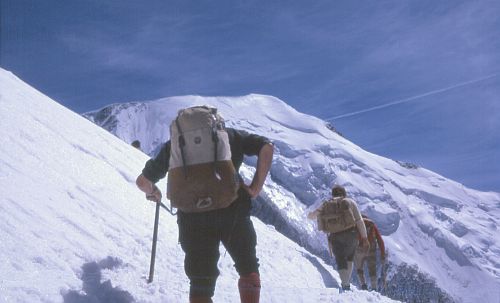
344,277
249,287
350,265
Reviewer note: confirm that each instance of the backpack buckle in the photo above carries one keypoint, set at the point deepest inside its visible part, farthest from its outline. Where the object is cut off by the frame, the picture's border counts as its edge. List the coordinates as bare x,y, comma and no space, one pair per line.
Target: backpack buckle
204,202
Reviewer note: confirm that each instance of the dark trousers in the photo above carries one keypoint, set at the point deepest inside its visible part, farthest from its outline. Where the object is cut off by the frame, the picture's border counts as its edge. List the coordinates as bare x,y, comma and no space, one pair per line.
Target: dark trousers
344,246
200,235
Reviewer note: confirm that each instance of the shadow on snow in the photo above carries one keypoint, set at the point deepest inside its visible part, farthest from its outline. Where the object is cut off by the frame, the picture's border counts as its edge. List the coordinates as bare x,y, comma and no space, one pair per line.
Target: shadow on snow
93,290
328,279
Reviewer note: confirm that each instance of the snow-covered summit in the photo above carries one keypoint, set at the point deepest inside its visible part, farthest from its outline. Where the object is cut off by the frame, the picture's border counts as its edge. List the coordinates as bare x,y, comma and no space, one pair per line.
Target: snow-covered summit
74,228
445,230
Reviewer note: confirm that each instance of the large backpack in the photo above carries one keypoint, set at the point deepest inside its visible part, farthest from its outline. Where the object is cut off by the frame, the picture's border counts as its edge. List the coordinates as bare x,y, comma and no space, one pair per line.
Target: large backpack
336,216
201,175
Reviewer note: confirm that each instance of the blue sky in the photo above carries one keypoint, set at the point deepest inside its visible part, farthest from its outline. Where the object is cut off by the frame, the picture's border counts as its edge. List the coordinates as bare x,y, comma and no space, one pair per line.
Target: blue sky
417,81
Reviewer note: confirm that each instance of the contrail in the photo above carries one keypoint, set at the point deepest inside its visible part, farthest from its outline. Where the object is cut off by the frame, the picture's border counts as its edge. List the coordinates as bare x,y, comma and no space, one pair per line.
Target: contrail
438,91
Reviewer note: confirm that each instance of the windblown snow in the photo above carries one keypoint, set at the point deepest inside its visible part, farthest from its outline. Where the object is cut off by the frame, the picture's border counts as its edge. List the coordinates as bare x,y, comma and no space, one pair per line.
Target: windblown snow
74,228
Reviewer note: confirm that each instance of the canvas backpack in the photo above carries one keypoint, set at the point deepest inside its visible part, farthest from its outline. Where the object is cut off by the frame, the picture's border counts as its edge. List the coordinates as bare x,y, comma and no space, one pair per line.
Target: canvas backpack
336,216
201,175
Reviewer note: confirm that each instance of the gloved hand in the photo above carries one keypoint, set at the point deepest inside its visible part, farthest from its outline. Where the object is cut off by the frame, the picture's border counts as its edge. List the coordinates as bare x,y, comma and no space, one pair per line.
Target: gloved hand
154,195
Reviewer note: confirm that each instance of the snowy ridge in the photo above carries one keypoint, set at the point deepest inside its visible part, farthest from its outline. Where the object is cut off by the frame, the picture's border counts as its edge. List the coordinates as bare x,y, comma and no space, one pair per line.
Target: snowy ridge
74,228
449,232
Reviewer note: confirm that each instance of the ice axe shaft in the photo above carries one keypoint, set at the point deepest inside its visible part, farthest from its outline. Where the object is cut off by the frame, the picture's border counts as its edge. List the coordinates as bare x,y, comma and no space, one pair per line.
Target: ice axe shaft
155,238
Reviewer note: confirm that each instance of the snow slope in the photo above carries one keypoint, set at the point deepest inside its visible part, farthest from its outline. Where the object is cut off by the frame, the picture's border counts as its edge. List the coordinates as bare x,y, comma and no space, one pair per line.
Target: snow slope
445,230
74,228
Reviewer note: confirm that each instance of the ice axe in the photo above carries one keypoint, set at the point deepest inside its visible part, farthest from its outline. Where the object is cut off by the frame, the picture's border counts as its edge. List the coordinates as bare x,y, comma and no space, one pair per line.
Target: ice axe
155,238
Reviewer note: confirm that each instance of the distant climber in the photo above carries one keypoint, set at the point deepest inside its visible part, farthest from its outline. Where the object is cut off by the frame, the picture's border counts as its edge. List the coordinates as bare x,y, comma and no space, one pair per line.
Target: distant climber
370,256
340,218
136,144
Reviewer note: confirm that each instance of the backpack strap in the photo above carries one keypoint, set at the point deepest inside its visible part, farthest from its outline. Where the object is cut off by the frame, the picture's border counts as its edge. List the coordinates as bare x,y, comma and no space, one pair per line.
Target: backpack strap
182,144
343,204
215,138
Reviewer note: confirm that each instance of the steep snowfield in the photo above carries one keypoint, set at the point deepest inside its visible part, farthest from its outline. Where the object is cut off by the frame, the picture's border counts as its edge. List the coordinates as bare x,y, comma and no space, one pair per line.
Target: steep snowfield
74,228
448,231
